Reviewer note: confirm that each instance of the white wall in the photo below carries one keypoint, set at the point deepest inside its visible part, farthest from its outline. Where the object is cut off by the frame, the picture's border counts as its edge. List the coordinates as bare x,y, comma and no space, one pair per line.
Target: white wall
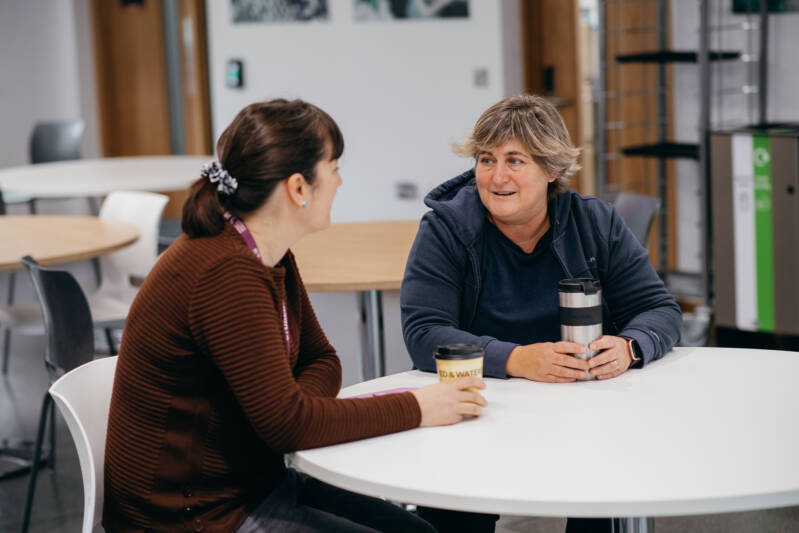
401,91
783,105
39,42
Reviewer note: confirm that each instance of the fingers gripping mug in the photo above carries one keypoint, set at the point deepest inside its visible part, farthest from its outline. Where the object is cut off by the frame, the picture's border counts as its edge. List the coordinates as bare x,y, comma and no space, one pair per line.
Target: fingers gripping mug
580,312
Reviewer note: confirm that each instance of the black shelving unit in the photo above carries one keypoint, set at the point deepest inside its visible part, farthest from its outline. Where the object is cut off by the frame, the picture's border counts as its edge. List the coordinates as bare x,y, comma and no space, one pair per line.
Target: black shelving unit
707,56
673,56
665,150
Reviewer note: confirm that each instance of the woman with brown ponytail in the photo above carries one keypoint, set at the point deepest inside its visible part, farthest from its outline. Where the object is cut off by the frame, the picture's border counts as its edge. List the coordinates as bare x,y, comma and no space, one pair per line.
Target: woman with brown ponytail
223,367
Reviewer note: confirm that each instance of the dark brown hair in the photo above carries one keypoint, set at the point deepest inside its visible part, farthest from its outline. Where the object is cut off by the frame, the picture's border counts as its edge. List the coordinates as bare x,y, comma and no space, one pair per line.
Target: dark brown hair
266,143
538,126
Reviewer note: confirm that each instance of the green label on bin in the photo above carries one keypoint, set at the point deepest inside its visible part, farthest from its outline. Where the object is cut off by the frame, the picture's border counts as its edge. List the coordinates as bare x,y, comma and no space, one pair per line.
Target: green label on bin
764,245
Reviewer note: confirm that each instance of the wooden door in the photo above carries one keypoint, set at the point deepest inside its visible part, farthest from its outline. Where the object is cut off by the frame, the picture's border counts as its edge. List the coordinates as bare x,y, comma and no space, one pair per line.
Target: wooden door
132,81
553,56
131,78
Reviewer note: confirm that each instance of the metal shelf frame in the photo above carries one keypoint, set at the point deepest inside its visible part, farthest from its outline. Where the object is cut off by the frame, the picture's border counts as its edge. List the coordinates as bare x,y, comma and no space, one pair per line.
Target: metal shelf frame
663,148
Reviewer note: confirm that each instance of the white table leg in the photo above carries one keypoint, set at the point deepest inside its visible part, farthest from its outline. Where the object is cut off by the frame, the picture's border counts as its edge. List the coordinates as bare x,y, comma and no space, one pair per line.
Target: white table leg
373,360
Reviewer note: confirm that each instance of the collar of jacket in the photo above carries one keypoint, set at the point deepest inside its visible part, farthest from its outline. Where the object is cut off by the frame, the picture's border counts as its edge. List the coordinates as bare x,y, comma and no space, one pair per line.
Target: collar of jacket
458,204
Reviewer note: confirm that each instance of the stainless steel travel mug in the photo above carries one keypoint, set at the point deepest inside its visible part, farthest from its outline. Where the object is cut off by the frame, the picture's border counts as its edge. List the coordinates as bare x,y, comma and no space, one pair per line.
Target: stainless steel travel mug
580,312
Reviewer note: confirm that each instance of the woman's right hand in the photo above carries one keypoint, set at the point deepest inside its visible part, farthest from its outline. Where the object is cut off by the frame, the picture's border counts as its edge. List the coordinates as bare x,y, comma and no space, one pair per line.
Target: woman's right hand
446,403
548,361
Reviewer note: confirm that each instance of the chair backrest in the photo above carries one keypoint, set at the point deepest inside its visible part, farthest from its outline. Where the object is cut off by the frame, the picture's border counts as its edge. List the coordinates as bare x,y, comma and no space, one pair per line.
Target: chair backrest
84,396
143,209
637,211
56,141
68,328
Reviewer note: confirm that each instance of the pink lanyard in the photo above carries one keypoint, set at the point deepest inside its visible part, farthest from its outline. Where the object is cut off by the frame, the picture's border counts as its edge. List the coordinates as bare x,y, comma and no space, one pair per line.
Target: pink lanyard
248,238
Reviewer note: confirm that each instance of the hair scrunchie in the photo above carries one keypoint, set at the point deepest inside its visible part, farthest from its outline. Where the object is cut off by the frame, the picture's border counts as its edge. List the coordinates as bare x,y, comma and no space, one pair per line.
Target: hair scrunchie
216,173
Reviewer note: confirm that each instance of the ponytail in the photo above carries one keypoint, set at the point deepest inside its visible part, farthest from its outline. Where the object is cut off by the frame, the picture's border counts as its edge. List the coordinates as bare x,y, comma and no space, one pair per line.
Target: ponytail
202,211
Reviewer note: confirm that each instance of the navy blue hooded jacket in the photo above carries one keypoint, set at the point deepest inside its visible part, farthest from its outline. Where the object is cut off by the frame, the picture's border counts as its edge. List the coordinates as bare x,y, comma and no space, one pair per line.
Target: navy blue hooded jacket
445,273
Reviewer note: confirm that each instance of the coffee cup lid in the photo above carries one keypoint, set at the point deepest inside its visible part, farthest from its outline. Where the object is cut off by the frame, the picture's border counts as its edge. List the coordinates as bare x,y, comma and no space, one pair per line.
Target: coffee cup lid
459,351
583,285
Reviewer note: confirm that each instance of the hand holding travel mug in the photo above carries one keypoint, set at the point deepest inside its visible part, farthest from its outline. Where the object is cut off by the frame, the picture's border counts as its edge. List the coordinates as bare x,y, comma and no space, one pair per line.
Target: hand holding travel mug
580,313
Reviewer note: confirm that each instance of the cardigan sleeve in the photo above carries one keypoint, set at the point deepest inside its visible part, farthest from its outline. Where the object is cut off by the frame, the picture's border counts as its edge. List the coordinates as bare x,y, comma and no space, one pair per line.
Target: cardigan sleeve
234,319
318,369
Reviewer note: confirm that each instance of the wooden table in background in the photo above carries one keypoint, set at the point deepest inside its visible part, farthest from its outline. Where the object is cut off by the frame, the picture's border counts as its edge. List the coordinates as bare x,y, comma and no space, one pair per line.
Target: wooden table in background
52,240
365,257
60,239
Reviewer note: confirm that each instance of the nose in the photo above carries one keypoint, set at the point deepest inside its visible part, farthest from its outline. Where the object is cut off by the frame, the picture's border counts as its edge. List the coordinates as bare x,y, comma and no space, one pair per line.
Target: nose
500,173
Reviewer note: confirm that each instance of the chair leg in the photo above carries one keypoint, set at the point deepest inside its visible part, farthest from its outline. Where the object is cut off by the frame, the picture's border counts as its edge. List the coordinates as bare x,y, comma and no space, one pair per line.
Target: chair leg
47,405
6,349
7,335
51,455
109,337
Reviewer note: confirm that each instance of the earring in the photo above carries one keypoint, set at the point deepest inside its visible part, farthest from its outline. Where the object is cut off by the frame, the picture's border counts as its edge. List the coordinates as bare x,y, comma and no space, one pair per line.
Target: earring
304,204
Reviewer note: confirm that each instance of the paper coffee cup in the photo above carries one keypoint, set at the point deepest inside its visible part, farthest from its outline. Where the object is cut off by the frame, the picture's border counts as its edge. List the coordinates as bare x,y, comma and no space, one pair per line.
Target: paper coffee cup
455,361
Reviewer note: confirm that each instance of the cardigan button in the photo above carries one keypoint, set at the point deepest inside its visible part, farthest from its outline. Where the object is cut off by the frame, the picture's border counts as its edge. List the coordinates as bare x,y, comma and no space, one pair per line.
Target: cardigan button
198,525
187,491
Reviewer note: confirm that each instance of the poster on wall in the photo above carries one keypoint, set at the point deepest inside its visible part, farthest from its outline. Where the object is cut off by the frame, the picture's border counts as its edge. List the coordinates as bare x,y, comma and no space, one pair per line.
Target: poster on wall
410,9
269,11
774,6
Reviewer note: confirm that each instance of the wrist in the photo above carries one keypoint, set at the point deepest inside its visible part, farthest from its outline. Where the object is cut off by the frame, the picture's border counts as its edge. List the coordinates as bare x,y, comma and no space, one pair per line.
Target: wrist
511,364
634,351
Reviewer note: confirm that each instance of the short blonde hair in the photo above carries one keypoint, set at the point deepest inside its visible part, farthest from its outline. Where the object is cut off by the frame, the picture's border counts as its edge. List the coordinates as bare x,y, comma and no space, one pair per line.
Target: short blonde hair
537,125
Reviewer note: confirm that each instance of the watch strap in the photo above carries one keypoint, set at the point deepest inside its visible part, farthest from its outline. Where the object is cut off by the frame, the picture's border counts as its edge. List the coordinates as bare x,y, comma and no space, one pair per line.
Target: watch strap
635,352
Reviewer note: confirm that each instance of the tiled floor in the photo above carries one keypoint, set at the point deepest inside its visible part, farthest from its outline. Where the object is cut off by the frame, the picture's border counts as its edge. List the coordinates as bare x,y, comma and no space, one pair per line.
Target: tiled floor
59,496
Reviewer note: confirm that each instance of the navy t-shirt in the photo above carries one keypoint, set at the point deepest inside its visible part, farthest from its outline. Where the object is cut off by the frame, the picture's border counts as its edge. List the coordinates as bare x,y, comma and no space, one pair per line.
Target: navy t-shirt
519,299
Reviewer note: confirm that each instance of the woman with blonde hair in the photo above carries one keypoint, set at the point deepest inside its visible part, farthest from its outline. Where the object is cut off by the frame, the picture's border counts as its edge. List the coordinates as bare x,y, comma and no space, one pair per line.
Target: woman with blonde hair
487,259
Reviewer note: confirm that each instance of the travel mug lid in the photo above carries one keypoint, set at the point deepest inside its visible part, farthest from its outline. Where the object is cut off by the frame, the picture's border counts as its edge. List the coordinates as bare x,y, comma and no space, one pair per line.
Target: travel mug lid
458,351
583,285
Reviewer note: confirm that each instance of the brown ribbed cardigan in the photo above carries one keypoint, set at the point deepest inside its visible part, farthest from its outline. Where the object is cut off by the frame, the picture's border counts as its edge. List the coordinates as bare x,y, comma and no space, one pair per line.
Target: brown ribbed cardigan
206,400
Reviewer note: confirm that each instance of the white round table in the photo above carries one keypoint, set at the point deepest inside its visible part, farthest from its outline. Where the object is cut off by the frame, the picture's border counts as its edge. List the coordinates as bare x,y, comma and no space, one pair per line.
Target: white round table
98,177
704,430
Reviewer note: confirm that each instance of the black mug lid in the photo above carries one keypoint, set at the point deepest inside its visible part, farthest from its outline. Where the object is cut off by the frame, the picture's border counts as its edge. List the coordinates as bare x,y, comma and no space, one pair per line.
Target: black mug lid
458,351
583,285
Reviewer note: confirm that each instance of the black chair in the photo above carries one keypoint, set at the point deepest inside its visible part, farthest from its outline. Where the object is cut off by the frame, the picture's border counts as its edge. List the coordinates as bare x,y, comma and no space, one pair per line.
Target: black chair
69,343
638,211
56,141
49,142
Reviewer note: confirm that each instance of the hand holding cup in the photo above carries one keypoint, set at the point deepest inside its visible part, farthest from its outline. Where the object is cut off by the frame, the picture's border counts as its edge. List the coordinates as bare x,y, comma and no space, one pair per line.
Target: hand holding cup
448,402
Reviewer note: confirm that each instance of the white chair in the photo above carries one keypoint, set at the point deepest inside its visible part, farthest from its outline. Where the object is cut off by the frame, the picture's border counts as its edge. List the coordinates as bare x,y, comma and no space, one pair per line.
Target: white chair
83,397
110,303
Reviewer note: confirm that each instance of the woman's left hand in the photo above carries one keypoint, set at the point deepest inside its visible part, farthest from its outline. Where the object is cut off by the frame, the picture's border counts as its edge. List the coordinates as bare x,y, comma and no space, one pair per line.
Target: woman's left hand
614,358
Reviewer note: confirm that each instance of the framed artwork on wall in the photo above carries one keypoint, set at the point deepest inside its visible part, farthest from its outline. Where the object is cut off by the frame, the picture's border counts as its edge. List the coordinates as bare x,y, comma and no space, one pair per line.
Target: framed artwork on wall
774,6
410,9
274,11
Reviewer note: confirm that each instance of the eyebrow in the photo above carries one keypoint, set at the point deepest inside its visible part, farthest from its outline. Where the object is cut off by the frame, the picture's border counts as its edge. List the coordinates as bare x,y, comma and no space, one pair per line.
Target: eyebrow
506,154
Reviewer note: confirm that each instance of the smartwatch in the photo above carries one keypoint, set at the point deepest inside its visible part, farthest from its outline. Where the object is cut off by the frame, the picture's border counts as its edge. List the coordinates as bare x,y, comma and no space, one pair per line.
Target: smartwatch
635,351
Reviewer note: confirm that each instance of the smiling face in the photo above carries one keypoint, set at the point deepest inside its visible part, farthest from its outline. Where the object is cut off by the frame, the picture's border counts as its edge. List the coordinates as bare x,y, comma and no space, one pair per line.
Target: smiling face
512,186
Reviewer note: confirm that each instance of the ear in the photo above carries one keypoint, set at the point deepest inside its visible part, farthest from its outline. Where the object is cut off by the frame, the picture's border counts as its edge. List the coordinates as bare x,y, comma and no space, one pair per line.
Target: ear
297,188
